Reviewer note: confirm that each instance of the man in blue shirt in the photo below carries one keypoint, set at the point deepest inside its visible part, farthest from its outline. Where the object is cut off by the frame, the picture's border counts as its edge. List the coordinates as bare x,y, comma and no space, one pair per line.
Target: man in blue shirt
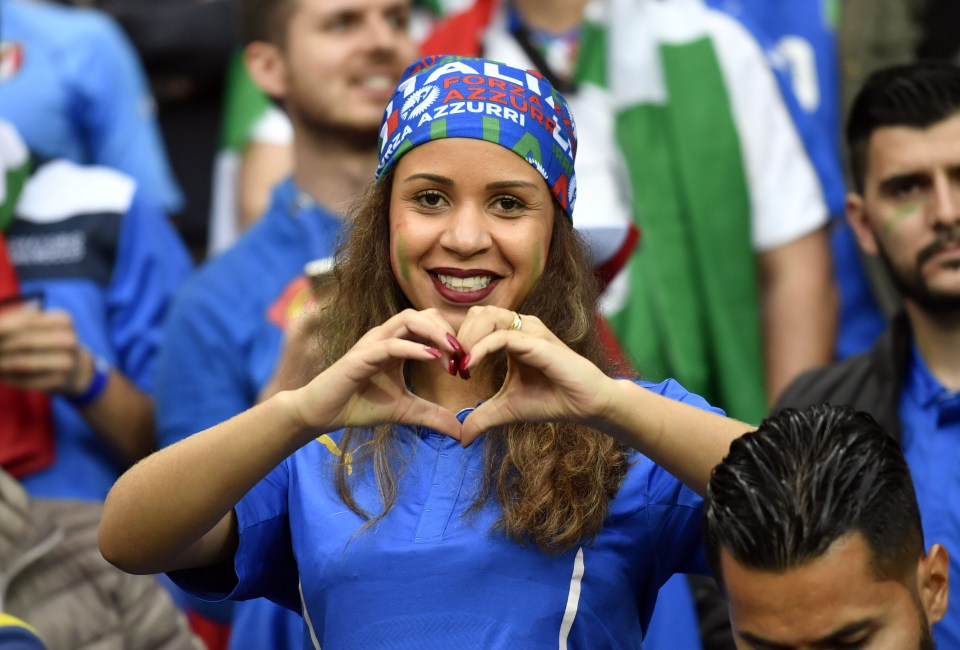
332,69
904,139
99,264
73,86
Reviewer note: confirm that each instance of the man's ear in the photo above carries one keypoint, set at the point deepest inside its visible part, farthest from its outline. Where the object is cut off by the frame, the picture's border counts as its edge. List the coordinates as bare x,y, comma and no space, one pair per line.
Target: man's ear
933,582
267,67
860,223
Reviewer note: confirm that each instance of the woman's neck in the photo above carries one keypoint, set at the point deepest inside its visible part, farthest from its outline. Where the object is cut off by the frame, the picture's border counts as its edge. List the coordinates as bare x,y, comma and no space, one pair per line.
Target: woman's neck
434,384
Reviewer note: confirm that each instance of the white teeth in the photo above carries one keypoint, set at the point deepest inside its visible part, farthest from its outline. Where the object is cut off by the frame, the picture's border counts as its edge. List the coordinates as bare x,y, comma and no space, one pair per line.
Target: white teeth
473,283
379,82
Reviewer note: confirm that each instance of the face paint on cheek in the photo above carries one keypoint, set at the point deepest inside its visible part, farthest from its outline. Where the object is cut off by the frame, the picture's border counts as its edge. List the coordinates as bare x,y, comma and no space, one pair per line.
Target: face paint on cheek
899,215
536,267
402,261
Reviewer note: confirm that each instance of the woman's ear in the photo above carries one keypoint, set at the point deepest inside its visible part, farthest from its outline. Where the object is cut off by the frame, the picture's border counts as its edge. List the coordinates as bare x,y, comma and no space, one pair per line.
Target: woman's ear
933,582
267,67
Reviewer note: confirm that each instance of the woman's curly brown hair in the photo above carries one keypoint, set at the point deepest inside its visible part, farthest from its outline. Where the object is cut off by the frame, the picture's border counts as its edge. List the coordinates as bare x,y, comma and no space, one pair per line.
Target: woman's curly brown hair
554,481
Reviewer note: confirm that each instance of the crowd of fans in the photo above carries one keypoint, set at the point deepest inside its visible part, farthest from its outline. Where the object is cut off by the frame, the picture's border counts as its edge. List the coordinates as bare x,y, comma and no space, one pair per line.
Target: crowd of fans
768,201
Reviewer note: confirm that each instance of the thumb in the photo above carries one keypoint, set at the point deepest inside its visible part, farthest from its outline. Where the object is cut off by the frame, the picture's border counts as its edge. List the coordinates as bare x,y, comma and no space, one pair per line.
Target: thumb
432,416
487,416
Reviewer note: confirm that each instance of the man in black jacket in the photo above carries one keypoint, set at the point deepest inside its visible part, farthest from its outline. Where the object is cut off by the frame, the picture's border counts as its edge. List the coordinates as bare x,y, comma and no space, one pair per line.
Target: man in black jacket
904,139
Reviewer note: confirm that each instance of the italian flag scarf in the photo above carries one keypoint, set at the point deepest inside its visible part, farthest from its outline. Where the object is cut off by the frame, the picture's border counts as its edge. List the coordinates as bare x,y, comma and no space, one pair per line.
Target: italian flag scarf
689,306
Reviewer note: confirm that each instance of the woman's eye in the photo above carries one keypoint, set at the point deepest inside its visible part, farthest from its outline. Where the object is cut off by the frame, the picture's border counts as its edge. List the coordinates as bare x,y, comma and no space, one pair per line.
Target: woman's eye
509,204
430,199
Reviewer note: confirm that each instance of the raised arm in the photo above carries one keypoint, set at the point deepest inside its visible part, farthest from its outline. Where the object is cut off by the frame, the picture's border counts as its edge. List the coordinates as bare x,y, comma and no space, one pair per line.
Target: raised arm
174,509
547,381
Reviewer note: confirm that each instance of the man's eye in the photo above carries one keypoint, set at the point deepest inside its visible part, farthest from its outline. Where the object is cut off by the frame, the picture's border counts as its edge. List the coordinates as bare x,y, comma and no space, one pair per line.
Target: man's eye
340,22
398,19
905,187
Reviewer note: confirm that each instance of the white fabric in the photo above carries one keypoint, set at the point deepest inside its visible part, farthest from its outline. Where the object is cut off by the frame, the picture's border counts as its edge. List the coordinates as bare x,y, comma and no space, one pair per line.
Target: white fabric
62,189
603,213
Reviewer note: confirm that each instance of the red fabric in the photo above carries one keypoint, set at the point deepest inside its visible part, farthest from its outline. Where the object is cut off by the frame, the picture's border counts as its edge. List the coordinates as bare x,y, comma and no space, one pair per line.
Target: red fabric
215,636
607,271
26,424
460,33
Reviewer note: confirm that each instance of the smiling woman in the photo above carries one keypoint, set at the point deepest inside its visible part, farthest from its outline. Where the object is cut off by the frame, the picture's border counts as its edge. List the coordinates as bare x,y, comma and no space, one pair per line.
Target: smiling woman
463,312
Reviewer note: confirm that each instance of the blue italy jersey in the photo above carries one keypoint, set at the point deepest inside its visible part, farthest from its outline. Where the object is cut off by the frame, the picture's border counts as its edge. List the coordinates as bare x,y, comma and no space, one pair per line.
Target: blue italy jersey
73,86
800,41
432,575
220,346
85,238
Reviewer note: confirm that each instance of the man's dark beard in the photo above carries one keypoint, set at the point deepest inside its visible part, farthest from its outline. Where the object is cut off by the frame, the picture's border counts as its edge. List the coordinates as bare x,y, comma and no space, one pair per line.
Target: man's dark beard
913,286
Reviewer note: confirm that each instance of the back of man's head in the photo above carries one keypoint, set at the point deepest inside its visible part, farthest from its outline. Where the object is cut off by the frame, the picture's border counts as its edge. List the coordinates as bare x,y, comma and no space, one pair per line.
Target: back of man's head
918,95
806,478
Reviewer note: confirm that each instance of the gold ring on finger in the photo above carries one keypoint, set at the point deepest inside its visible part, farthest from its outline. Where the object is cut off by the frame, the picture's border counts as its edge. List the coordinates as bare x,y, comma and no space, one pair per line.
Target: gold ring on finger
517,323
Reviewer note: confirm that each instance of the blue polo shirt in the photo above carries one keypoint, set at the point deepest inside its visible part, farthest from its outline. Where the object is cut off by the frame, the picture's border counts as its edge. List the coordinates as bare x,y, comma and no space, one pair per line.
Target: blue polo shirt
930,416
432,575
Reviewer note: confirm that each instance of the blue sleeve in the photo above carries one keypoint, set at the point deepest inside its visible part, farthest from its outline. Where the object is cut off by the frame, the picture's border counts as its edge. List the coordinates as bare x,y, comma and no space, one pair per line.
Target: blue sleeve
675,511
264,565
201,377
151,264
114,110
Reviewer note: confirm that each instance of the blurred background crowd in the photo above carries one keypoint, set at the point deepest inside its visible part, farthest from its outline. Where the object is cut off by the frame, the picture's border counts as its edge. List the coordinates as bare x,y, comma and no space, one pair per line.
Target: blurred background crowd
142,140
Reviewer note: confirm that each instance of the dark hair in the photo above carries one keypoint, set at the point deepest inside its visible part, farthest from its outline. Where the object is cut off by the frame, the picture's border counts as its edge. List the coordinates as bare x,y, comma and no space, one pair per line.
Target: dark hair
918,95
804,479
265,20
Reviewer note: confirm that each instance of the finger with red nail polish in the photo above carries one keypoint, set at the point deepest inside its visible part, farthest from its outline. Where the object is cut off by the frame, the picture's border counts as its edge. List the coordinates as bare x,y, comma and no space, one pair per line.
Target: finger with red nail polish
454,343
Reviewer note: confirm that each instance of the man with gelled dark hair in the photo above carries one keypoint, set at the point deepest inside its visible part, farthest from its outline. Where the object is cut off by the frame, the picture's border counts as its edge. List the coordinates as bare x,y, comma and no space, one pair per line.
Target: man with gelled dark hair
813,531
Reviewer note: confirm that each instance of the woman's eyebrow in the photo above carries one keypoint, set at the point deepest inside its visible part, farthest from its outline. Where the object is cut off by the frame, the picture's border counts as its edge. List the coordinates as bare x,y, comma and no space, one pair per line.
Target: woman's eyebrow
503,185
436,178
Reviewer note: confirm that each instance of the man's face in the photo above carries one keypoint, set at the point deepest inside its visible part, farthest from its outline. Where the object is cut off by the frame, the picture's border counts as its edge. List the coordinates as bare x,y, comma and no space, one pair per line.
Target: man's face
342,59
909,213
835,601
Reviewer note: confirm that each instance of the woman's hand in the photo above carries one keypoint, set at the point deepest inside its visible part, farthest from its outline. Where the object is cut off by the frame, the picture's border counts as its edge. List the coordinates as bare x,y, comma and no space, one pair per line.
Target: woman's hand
546,381
366,387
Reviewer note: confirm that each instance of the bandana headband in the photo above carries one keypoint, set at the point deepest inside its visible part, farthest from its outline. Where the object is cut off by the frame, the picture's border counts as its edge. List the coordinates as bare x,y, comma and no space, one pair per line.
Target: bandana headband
464,97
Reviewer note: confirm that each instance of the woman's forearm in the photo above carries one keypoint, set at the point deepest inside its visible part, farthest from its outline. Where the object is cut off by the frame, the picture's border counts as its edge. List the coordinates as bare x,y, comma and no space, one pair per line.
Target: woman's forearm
173,509
685,440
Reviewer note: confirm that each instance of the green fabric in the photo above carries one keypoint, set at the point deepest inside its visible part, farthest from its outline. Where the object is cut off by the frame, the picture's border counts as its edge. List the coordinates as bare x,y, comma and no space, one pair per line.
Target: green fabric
831,10
692,311
245,103
16,178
